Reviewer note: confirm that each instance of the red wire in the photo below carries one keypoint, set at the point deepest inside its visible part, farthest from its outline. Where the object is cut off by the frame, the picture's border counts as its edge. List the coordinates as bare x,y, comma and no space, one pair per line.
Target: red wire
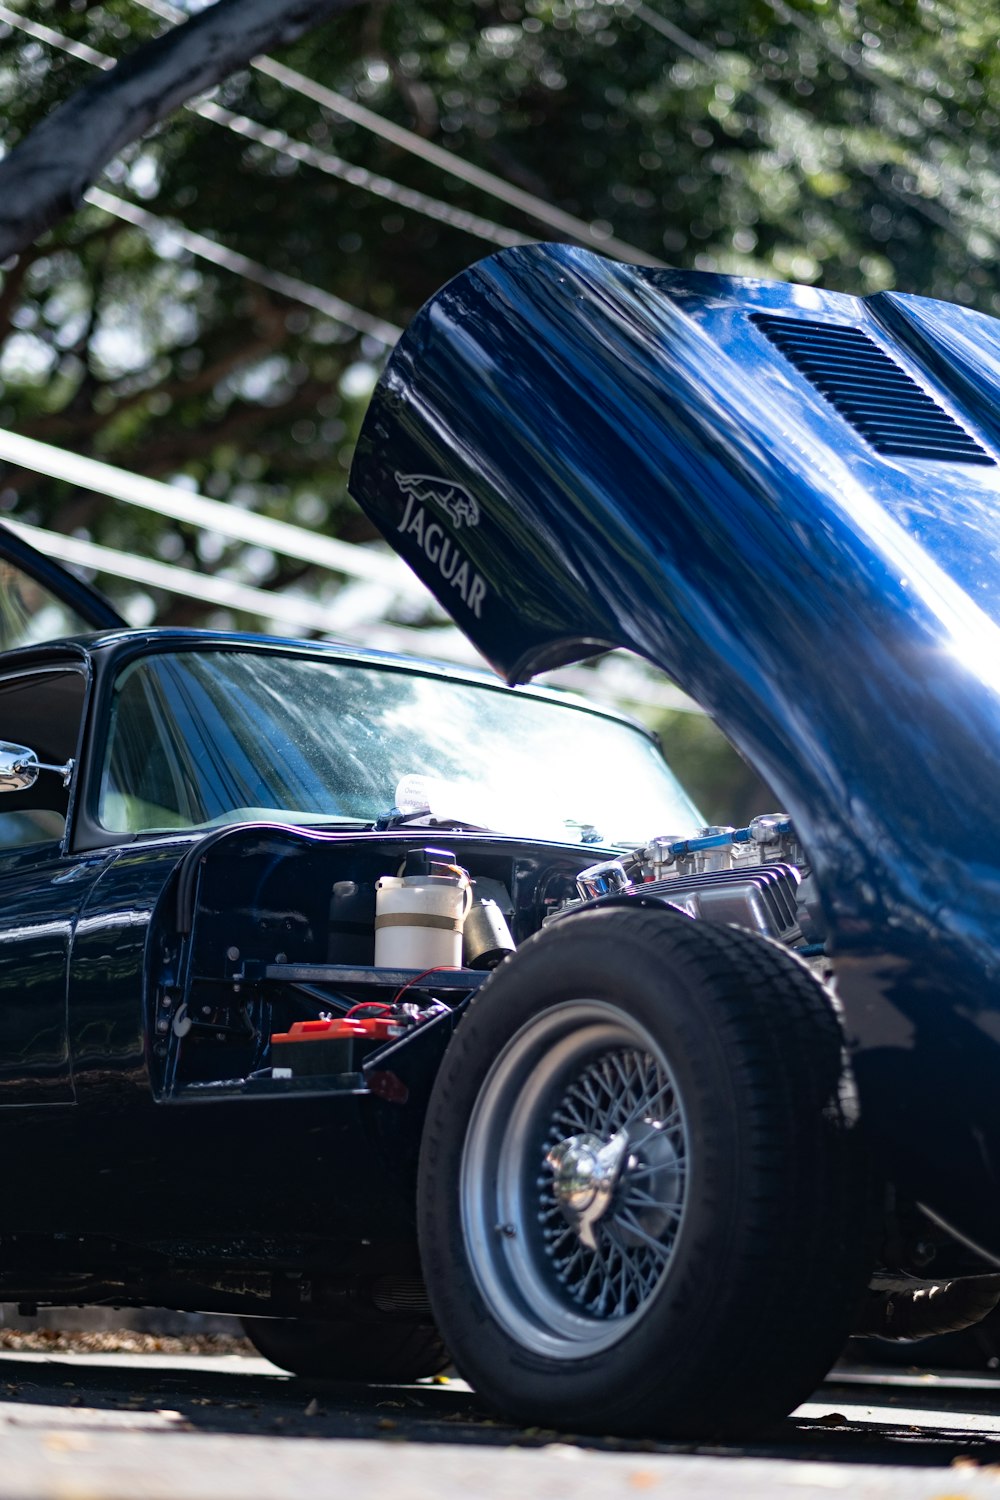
439,969
380,1005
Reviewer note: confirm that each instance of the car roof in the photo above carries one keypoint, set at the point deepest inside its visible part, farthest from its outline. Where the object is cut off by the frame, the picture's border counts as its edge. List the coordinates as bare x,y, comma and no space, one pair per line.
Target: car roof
112,647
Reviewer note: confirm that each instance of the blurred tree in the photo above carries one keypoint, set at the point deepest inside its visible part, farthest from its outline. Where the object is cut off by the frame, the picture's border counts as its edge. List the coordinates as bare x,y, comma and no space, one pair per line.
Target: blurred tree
836,142
812,140
44,177
721,783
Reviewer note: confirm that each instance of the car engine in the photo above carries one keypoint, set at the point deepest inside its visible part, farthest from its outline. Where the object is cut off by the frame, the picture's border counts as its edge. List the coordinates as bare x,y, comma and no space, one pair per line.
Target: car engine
757,877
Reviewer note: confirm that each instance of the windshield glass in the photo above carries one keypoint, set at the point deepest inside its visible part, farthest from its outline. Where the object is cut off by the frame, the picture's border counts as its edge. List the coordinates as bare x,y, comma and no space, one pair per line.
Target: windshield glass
199,738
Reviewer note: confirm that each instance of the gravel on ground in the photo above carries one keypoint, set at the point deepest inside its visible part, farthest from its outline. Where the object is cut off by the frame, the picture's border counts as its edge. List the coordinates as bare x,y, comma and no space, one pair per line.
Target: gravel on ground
119,1341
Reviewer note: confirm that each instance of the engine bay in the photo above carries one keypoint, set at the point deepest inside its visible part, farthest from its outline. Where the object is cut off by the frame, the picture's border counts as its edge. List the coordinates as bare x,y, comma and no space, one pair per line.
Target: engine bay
269,929
300,961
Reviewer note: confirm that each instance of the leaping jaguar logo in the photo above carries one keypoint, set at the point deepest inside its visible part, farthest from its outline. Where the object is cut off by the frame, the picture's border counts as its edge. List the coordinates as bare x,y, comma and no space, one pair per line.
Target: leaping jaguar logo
421,528
452,498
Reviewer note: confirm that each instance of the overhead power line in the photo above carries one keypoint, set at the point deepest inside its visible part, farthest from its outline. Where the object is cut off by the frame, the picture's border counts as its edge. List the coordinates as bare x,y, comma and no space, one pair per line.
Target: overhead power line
456,166
53,38
408,140
217,516
224,593
282,144
292,287
289,611
360,177
617,677
446,161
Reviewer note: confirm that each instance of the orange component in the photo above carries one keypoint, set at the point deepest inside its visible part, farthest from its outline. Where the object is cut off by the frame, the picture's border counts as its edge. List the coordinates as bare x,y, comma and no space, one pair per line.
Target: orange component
369,1028
381,1028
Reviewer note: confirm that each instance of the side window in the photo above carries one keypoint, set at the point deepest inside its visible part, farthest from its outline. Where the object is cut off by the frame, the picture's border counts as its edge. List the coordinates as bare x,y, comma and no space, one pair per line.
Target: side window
42,710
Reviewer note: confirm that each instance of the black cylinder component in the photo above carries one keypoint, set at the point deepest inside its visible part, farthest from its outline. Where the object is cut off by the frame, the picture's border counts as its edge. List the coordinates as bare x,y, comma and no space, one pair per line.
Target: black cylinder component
923,1311
486,939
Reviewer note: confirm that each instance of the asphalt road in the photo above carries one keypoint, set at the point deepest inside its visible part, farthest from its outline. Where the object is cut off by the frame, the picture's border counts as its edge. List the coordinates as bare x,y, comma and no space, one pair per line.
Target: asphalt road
127,1427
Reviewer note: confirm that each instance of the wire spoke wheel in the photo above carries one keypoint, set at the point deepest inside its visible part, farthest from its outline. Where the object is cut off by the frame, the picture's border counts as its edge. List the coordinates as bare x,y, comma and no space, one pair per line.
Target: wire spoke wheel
643,1199
574,1177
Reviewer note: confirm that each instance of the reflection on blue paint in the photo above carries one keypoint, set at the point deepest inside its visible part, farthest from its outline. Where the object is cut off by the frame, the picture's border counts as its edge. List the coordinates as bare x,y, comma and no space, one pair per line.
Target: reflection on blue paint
649,470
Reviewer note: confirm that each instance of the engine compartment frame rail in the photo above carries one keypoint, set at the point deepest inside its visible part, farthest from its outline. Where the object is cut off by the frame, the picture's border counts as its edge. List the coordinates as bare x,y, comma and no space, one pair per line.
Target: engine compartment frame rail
343,975
370,1076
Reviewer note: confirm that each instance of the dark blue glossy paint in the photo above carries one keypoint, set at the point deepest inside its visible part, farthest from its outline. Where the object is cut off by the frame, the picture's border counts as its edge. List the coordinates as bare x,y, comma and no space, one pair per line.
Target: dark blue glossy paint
638,465
40,899
105,934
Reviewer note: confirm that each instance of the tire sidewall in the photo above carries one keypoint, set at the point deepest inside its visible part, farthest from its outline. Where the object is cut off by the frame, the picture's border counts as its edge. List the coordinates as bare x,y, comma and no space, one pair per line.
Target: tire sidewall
687,1309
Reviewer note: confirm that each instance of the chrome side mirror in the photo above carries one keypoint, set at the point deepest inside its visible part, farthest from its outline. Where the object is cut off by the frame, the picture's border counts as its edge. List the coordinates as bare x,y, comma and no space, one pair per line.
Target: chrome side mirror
19,768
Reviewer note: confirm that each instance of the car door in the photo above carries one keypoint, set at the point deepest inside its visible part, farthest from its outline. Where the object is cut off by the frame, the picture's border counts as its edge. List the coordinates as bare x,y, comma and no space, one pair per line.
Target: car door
41,885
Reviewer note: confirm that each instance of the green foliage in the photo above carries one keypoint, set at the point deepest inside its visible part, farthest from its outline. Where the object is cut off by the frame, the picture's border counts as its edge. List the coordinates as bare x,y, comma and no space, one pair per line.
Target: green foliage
720,782
819,141
823,141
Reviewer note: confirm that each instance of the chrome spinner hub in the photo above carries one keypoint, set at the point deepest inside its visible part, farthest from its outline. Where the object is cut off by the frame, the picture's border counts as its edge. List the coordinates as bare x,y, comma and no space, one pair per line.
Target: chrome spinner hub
585,1174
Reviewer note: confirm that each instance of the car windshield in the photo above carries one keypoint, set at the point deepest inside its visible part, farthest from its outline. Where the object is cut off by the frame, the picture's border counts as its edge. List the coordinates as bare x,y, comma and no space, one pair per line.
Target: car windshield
207,737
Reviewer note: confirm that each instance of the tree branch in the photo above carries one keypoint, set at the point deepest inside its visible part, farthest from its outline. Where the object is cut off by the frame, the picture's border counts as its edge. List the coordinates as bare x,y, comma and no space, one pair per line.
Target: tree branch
44,178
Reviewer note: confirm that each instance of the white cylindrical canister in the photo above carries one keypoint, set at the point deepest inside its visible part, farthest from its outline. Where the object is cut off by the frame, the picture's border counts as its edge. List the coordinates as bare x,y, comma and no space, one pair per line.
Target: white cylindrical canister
419,920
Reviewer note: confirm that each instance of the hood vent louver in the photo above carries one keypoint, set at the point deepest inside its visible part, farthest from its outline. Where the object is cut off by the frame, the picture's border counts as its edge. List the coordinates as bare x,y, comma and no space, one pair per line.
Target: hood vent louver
875,394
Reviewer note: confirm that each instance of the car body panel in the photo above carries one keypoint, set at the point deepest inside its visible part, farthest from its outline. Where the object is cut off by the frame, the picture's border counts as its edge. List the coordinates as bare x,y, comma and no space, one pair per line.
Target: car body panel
39,904
197,1184
576,454
182,1166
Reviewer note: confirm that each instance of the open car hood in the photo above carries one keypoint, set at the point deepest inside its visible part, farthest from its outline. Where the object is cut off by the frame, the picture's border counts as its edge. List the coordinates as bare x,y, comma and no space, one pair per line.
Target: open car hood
786,498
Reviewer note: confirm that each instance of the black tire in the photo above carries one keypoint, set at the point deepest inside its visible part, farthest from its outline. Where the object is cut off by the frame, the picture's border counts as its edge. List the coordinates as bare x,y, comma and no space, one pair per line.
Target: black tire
734,1229
376,1353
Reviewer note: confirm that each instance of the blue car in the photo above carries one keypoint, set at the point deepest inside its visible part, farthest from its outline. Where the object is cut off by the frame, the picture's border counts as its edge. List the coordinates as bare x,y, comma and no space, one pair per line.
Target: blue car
415,1017
248,889
746,1096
